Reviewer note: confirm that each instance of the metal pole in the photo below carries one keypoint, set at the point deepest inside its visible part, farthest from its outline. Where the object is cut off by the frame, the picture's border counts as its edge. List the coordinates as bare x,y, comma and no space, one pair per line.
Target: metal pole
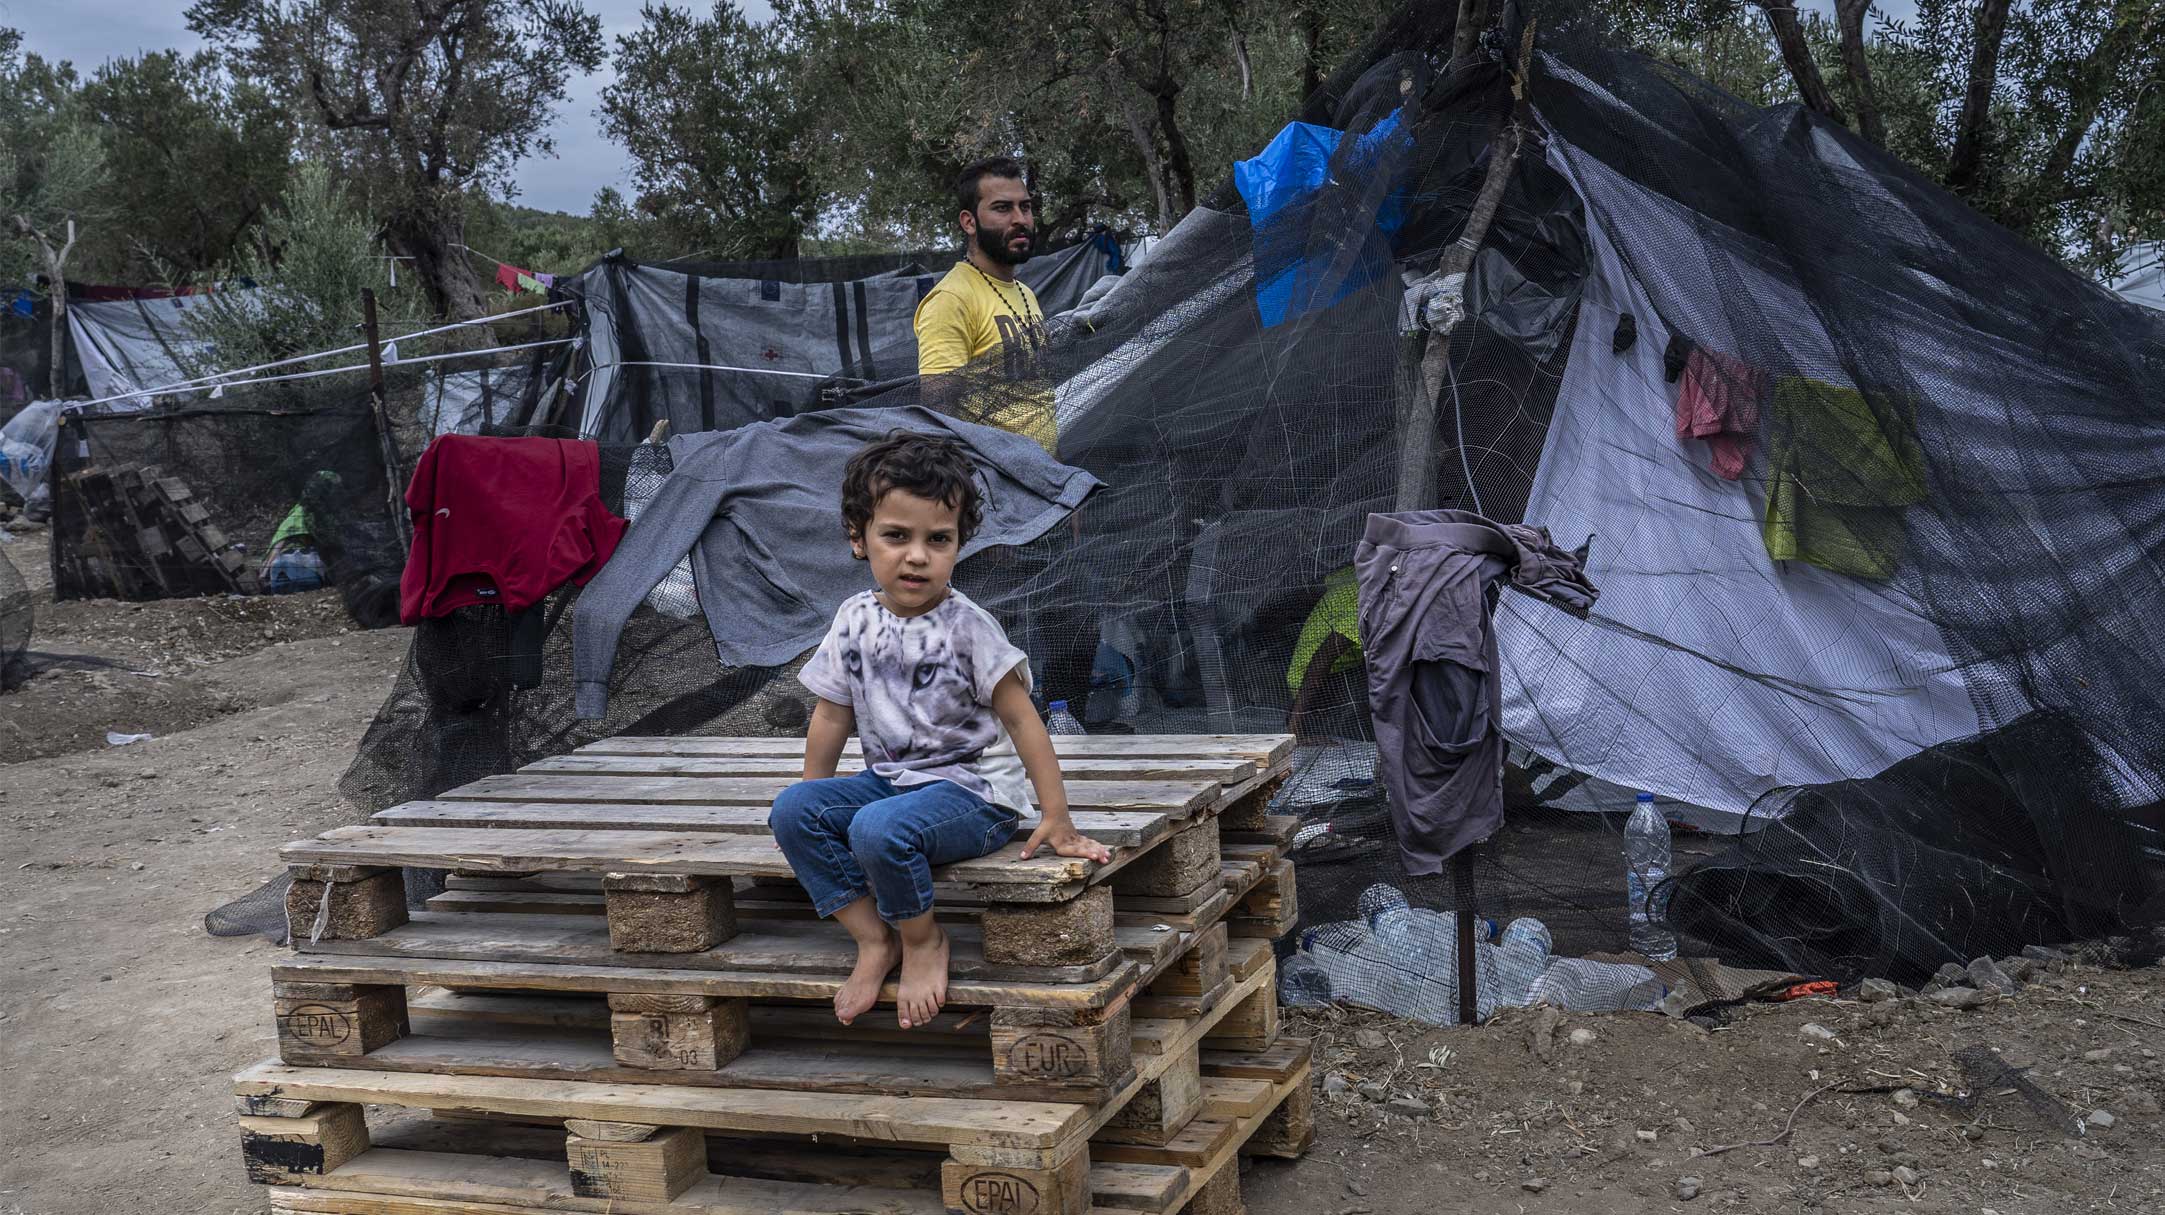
400,525
1462,886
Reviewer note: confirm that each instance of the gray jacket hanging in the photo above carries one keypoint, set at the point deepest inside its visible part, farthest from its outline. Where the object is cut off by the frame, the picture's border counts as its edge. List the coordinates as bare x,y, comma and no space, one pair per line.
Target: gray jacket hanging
1433,691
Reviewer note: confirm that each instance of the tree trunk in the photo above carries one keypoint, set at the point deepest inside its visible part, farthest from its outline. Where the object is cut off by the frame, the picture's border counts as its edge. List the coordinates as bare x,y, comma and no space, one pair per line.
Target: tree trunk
1176,147
1153,165
1969,147
59,376
1850,14
1311,52
431,239
1803,69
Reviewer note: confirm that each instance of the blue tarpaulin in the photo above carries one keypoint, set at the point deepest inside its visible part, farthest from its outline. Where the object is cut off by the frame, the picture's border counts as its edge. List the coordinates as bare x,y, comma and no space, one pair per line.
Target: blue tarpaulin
1276,182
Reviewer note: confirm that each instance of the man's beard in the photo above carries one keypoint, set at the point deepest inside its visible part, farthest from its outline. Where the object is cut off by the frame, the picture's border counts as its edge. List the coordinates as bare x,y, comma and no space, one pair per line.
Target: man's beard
1000,250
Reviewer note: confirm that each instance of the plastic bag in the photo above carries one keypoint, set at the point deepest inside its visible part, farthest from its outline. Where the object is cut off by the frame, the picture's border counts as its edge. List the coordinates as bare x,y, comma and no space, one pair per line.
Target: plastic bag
26,446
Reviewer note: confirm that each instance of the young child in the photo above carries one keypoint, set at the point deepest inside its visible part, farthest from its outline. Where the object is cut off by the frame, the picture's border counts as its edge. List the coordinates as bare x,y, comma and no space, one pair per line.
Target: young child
941,702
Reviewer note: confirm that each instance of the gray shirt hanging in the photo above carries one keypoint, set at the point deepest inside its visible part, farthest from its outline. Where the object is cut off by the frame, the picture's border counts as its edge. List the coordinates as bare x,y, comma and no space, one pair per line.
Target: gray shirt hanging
1433,691
759,508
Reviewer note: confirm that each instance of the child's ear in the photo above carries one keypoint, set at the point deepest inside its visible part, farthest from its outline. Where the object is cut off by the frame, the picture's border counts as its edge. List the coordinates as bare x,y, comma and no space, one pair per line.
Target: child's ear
856,541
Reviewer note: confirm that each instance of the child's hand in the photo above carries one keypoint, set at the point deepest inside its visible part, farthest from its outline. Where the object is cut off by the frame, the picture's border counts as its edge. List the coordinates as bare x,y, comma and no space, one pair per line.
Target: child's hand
1065,840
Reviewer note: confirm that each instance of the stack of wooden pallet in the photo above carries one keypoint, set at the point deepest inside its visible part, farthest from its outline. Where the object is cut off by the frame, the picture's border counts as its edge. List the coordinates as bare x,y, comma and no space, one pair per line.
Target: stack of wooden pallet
148,537
622,957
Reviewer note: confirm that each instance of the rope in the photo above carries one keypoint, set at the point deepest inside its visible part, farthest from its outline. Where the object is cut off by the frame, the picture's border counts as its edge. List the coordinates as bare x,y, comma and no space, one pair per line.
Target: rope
72,406
799,375
218,377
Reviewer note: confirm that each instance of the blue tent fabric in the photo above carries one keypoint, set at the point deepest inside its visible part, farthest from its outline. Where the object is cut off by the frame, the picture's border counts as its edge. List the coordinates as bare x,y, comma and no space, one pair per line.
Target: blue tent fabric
1274,183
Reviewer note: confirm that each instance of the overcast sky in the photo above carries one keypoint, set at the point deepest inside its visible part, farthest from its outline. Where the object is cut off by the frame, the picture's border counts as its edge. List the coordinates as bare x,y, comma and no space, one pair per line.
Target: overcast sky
93,31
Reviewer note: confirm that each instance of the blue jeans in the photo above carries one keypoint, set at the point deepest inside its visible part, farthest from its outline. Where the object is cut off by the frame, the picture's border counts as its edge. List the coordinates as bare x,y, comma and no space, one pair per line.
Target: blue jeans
851,835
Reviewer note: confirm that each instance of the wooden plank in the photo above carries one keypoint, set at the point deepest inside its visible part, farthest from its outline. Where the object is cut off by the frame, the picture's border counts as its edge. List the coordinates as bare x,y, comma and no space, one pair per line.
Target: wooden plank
1246,956
1178,799
1277,832
902,1069
1266,750
390,1181
1224,1097
1200,1140
1214,769
1112,828
1284,1057
1030,1126
782,959
1004,874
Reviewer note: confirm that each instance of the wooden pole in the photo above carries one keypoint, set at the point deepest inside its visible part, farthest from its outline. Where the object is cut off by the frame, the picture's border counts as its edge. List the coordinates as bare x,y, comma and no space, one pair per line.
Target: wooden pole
395,480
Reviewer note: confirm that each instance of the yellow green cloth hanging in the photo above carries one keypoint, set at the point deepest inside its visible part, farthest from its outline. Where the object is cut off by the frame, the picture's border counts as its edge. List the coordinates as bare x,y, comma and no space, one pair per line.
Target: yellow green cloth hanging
1839,472
1339,611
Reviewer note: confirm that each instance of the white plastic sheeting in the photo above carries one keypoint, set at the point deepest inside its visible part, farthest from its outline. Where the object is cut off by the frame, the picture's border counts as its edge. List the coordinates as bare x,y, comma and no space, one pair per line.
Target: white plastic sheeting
1770,676
126,346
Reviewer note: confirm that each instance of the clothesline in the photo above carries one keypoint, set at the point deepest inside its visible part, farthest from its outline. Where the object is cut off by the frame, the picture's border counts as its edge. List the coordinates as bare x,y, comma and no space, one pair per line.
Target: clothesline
223,377
798,375
221,386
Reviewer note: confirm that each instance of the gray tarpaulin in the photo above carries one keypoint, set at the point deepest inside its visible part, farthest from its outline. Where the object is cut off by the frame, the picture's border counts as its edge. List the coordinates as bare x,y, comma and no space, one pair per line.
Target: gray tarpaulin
746,349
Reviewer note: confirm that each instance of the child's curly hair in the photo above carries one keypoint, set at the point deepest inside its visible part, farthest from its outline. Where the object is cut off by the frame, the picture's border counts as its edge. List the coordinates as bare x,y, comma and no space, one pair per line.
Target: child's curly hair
931,467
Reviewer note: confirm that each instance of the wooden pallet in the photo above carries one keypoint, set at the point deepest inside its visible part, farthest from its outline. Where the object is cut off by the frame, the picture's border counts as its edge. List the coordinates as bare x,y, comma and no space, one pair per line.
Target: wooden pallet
643,1146
673,851
149,537
1254,1104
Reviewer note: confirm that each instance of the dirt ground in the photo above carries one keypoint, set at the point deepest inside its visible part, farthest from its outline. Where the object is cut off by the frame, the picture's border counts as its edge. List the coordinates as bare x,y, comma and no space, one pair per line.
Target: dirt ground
121,1018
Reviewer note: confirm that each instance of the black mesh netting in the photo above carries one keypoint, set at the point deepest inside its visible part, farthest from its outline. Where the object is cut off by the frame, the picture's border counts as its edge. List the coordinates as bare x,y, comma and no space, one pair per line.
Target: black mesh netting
1889,640
256,493
14,626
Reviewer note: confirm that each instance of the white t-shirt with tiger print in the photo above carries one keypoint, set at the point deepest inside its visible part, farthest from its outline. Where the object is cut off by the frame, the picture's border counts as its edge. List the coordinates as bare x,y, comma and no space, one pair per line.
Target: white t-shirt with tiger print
921,690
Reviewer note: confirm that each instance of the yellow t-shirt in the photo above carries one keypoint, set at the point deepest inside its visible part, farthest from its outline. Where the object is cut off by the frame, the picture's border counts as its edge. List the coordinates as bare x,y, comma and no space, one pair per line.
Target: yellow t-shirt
968,316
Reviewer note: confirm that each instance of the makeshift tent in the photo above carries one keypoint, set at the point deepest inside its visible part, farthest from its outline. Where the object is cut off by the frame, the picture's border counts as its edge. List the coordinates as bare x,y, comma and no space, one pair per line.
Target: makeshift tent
708,345
2144,281
134,338
1907,622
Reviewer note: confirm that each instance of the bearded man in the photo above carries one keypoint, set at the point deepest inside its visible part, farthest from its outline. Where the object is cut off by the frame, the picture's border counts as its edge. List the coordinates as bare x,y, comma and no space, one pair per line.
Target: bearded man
980,307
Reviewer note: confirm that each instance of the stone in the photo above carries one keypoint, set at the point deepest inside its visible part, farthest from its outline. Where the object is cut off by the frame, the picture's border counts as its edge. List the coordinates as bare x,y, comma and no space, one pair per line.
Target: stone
1370,1039
1648,1136
1534,1185
1907,1175
1817,1032
2019,968
1878,991
1407,1107
1973,1132
1878,1177
2099,1055
1687,1188
1950,975
2044,953
1336,1084
2101,1120
1986,975
1582,1036
1962,997
1807,1162
1374,1091
1355,1188
1906,1098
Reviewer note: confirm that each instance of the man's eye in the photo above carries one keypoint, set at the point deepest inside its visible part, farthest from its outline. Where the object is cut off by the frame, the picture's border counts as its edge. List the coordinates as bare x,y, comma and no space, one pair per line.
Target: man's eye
926,673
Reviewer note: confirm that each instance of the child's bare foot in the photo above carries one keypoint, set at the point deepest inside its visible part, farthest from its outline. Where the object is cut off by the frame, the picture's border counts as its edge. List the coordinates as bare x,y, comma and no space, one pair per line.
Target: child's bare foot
924,976
862,989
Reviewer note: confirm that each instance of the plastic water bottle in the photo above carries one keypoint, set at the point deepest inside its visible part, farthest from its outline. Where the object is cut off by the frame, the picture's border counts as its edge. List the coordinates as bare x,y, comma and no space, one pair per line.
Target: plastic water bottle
1303,983
1646,866
1584,985
1522,954
1059,721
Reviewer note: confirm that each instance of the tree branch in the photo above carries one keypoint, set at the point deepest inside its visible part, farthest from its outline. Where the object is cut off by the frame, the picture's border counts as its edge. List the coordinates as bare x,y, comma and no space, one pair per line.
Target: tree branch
1969,147
1850,15
1797,55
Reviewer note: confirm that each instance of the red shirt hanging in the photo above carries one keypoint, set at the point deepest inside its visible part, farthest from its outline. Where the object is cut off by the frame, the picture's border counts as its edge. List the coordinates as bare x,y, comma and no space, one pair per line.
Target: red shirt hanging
503,521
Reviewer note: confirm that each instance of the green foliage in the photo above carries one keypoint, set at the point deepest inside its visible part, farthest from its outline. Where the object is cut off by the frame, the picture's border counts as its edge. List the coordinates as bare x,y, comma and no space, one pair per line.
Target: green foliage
312,258
714,111
193,160
52,165
425,102
2071,152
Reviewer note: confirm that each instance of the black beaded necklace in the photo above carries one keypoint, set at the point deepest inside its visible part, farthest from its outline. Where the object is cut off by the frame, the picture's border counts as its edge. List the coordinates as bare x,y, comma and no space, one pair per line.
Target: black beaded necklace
1027,314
